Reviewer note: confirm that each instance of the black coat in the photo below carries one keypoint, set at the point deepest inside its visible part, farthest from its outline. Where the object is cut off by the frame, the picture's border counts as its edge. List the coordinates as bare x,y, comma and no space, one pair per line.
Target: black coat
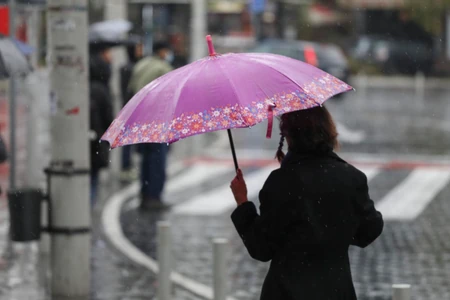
125,75
101,111
312,209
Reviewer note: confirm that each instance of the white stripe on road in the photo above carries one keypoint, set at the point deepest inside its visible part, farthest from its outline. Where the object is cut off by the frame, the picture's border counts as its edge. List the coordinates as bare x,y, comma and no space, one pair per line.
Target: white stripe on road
194,176
220,200
408,199
113,231
370,172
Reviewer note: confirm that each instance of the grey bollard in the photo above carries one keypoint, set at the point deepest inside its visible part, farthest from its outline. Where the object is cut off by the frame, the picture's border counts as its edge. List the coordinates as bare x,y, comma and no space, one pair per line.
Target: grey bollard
401,292
362,87
420,86
220,268
164,251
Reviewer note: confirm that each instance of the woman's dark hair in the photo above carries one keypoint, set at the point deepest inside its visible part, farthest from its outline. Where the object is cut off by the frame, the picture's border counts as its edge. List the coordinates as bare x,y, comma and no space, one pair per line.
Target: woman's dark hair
309,131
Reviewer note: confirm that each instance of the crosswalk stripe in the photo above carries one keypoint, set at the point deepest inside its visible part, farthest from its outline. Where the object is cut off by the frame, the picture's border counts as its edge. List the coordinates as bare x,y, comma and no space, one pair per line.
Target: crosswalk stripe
370,172
194,175
408,199
220,199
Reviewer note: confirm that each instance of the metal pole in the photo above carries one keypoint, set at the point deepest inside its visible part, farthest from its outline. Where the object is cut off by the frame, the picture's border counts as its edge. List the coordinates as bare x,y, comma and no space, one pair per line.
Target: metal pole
401,292
420,86
164,261
198,29
362,86
70,218
12,104
220,268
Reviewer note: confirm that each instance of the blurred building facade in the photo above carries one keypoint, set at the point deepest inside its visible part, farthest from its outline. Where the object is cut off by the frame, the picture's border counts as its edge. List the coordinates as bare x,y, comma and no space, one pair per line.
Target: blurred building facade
237,24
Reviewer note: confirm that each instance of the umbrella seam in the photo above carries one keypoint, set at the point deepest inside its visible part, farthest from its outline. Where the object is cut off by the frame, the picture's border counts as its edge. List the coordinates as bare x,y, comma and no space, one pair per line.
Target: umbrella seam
235,93
180,90
279,72
137,106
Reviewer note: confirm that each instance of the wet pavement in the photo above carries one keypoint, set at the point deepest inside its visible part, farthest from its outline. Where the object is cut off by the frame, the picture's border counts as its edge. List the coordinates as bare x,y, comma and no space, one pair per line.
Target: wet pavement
403,138
391,135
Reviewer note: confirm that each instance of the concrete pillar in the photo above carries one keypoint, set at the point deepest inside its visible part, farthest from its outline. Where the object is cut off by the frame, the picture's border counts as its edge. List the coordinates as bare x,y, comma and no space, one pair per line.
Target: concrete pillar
198,29
70,202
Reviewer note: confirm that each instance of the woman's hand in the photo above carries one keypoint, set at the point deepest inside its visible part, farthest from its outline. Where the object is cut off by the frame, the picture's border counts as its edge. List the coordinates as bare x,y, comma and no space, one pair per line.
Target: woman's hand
239,188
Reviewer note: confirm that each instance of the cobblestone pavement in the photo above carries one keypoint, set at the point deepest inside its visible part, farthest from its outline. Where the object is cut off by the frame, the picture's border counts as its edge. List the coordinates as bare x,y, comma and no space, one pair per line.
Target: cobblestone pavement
414,251
405,249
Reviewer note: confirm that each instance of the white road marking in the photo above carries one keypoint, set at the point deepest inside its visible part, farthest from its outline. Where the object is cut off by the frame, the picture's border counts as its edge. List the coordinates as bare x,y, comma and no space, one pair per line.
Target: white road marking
113,231
408,199
379,158
370,172
349,135
194,175
220,200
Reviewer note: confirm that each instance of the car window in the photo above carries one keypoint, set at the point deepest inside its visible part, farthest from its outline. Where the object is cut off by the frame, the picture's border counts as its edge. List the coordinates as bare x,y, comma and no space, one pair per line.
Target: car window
330,55
286,50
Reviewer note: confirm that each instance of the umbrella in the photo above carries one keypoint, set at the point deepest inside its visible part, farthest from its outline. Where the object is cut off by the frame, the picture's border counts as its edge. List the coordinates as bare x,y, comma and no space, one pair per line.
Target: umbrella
111,31
221,92
12,60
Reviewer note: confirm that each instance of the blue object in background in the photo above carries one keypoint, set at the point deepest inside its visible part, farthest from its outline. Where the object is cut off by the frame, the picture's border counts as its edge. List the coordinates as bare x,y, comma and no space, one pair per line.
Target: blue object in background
257,6
23,47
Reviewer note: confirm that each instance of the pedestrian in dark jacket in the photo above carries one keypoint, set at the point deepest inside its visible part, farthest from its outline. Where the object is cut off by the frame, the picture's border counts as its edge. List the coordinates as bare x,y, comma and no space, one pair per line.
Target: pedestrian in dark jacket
101,112
134,52
154,155
3,155
311,210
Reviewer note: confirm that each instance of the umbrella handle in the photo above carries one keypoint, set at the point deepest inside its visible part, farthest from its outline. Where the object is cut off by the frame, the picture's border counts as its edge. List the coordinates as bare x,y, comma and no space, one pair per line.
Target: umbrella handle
233,151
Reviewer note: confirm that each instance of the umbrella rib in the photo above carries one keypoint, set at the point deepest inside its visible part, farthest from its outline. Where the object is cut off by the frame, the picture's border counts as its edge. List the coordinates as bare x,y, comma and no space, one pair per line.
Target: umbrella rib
278,71
180,90
233,89
138,105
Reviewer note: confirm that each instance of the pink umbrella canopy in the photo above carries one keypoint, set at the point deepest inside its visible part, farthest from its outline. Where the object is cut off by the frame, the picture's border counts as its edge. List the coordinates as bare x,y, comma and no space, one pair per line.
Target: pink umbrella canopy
220,92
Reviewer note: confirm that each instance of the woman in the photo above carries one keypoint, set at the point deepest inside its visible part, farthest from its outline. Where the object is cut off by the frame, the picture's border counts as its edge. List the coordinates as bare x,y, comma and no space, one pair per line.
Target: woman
311,210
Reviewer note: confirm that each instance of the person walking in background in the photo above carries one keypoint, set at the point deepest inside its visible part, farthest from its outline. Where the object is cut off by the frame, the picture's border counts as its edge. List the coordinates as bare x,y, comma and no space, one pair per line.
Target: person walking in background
134,51
3,155
101,111
311,210
154,156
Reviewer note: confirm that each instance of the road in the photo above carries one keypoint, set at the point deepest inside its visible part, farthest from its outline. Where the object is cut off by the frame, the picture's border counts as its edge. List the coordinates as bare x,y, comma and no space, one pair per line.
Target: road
399,140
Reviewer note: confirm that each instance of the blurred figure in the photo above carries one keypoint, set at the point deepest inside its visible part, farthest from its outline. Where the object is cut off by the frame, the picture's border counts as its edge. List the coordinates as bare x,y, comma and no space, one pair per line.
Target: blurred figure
101,111
153,168
3,155
135,53
180,58
411,30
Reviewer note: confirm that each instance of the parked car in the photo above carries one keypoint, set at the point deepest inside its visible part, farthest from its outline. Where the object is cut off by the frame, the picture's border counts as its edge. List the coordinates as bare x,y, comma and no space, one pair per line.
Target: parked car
327,57
394,55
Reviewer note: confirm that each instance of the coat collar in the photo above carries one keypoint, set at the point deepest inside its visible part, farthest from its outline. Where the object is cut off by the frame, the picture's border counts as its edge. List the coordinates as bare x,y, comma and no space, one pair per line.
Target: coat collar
293,158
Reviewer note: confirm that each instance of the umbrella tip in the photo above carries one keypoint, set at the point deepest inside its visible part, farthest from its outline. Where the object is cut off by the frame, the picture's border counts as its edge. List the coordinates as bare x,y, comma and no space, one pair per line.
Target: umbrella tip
212,52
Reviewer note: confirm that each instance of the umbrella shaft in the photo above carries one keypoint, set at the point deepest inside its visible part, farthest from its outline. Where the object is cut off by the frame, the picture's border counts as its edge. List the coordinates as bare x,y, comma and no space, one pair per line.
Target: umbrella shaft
233,151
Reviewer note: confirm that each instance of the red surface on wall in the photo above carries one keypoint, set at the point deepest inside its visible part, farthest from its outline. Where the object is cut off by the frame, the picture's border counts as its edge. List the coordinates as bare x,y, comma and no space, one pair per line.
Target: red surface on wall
4,20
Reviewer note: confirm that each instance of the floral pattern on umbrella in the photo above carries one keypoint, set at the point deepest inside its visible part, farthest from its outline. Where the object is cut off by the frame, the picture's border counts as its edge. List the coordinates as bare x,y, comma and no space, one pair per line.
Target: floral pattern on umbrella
122,132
